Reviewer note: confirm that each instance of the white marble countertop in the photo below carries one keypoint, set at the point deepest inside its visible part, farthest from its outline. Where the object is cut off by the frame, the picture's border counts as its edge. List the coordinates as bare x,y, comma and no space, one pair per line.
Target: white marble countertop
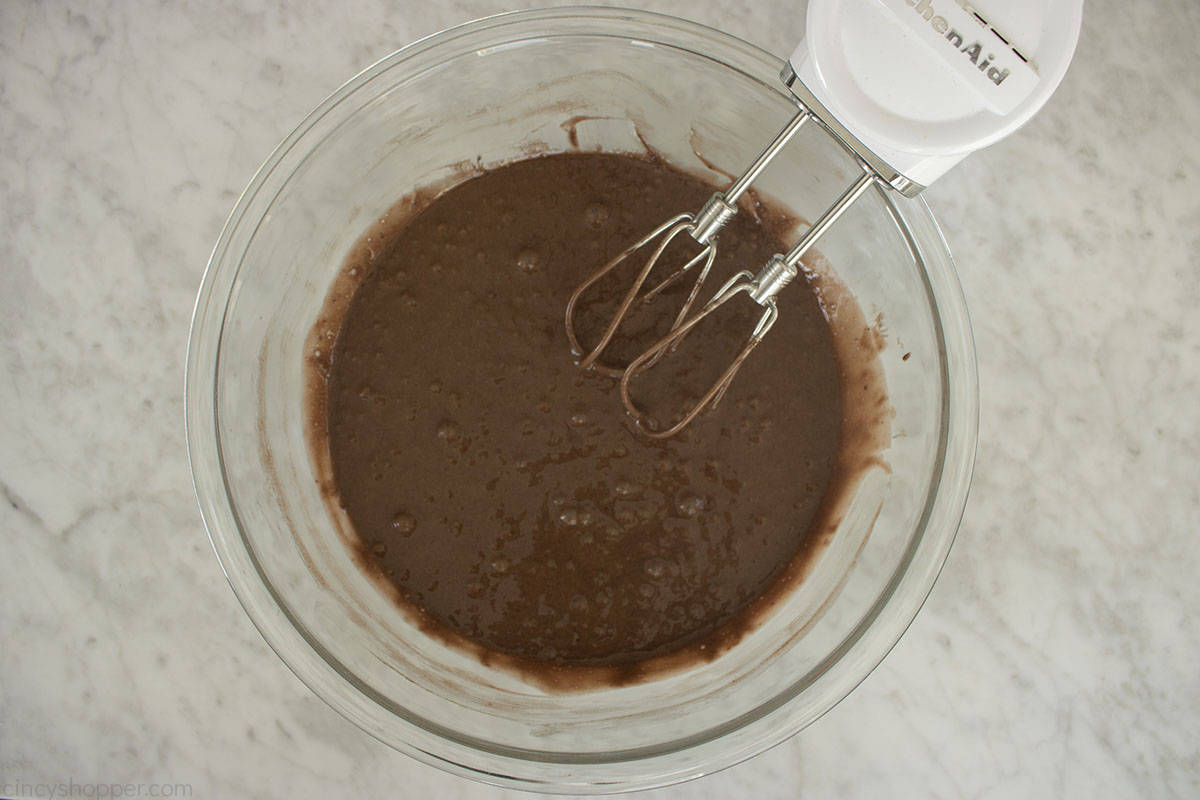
1057,656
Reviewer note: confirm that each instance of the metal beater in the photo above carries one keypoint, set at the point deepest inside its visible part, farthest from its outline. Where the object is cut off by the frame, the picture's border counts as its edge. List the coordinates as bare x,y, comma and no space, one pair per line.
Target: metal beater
703,228
909,89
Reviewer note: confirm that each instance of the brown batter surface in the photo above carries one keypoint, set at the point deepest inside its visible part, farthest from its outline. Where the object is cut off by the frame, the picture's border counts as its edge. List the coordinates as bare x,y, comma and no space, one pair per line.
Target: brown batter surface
504,492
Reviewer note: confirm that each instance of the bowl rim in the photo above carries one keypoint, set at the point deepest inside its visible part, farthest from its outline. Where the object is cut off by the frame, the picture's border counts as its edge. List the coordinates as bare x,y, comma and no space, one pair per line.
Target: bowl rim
913,579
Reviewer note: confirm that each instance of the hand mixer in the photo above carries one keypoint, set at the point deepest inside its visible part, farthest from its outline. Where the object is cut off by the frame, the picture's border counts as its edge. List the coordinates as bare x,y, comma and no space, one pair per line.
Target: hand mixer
909,88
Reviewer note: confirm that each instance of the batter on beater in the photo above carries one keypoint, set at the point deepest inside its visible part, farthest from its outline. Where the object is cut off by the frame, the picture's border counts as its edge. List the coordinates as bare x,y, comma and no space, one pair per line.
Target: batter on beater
495,489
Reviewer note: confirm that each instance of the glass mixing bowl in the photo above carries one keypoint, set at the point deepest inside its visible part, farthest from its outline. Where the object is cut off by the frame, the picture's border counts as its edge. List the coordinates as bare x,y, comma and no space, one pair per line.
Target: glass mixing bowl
488,92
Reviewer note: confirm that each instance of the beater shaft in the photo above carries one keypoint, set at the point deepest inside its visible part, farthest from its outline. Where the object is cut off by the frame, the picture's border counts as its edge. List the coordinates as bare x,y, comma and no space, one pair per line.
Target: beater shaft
831,215
739,187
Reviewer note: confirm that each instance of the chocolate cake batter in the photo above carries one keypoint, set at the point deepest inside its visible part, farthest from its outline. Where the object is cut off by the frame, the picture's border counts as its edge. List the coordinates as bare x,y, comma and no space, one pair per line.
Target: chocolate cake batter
504,493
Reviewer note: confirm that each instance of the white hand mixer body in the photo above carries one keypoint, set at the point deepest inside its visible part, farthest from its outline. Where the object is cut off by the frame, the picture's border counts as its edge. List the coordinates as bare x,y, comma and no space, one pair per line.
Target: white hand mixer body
913,86
910,87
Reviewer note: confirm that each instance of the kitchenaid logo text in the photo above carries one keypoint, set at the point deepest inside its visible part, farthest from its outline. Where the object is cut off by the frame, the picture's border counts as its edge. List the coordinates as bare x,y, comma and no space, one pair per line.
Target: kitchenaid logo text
973,52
